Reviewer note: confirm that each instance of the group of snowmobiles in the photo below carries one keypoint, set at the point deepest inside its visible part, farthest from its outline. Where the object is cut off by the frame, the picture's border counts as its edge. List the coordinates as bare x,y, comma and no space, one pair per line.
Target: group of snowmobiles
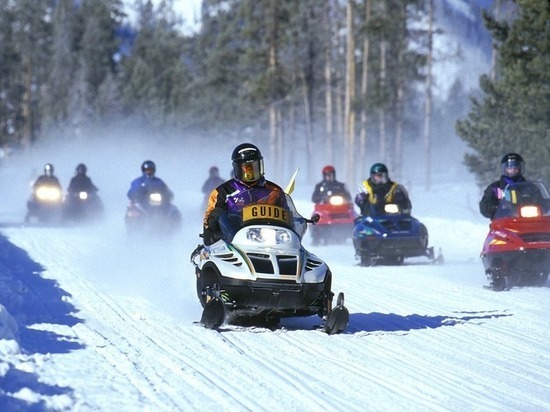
48,206
260,272
151,212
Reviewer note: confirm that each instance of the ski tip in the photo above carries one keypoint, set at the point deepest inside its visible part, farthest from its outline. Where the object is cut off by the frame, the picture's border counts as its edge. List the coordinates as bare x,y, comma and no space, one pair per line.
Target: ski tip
213,314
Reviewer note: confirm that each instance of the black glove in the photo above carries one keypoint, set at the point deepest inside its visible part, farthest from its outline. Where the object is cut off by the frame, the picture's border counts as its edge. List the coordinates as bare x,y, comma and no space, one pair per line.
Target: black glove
213,219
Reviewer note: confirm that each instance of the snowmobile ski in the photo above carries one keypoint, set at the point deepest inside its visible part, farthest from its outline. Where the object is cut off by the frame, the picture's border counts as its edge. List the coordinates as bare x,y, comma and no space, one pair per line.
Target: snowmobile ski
338,319
213,314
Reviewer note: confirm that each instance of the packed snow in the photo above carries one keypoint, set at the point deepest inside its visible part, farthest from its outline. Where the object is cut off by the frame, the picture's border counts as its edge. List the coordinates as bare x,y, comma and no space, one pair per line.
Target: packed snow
93,320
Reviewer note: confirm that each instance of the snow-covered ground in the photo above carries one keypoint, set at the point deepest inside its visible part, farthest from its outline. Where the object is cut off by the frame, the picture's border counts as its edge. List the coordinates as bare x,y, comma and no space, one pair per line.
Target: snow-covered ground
90,320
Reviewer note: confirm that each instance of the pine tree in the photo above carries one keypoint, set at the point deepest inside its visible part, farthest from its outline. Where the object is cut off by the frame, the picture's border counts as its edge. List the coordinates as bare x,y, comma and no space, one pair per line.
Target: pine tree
514,113
154,77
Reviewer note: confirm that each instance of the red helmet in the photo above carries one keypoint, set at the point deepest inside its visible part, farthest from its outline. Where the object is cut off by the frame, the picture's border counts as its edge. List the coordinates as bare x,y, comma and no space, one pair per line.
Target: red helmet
328,169
329,173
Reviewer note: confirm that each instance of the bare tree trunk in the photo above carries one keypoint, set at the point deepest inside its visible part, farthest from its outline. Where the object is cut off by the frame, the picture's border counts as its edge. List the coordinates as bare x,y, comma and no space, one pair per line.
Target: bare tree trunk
329,118
428,102
281,144
349,114
309,128
338,89
364,90
26,137
398,147
272,68
382,119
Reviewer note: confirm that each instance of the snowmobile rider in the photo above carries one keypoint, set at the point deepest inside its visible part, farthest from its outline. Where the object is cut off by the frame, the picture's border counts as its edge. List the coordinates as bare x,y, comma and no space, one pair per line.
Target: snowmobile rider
379,190
81,182
48,178
248,167
213,181
147,183
329,186
512,167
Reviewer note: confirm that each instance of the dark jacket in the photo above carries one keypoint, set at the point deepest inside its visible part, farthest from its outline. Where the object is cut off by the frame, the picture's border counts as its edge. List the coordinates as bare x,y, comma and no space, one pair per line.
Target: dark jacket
493,194
372,199
234,195
43,180
325,189
81,183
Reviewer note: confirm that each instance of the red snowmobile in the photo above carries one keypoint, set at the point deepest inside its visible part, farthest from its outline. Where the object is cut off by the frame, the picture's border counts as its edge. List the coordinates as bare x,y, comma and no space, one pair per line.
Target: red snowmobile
516,251
336,219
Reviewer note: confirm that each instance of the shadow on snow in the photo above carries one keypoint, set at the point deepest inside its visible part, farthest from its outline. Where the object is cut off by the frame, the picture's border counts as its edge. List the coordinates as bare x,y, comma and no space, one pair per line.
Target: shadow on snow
32,299
390,322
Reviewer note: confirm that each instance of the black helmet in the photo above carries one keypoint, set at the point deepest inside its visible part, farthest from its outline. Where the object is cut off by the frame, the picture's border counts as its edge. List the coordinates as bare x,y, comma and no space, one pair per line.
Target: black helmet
48,169
512,165
379,173
148,167
81,169
248,163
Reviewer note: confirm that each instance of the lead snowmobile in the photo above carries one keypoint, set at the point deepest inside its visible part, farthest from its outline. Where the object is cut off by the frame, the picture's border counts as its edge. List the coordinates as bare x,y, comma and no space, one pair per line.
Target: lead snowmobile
516,250
260,272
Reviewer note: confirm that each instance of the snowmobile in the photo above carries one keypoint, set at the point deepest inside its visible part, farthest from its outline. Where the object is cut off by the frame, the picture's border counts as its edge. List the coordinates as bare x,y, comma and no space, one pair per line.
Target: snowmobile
336,220
516,251
156,215
259,272
45,204
390,238
82,206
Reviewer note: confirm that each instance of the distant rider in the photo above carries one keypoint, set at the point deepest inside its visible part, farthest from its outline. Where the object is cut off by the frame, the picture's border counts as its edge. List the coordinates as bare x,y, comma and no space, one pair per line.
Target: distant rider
329,186
53,197
213,181
147,183
512,167
81,182
48,178
379,190
248,167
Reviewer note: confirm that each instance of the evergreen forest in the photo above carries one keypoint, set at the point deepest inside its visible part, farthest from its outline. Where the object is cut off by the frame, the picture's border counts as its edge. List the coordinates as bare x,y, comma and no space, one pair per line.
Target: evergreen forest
351,79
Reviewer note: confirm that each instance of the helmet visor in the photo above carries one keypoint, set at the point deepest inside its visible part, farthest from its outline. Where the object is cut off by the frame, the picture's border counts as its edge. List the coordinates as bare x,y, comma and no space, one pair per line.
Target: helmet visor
512,168
249,172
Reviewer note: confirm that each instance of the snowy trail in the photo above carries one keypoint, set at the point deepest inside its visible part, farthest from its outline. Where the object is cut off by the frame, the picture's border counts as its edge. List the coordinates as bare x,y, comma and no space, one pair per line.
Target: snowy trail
421,337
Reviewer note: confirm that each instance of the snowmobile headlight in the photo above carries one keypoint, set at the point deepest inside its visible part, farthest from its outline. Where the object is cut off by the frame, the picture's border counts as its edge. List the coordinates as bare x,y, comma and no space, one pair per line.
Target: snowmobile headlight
48,194
83,195
336,200
530,211
391,208
155,199
268,236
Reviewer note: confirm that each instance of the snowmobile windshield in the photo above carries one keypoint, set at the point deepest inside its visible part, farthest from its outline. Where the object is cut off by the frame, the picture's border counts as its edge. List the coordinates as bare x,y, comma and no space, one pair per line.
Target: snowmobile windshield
261,212
524,199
